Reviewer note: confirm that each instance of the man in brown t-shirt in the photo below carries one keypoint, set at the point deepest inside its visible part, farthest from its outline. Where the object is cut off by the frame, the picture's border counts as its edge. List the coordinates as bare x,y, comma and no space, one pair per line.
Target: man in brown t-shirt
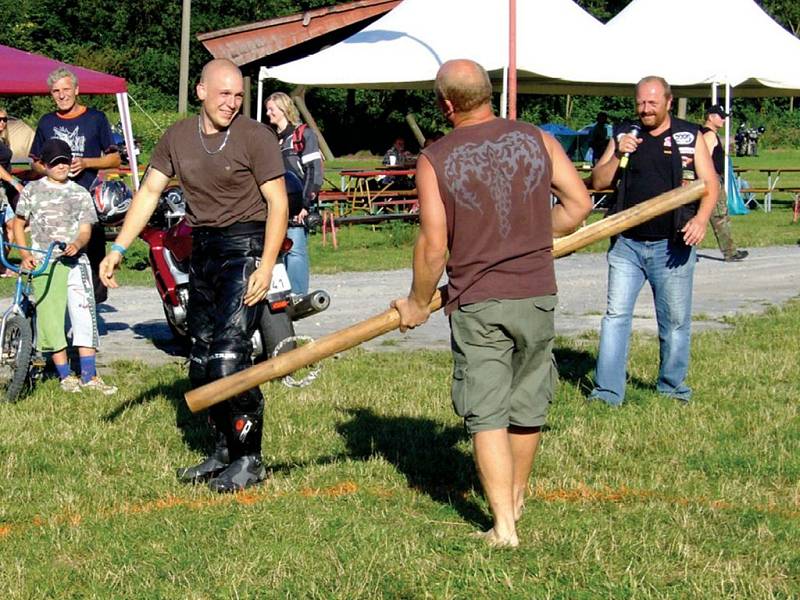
484,194
228,165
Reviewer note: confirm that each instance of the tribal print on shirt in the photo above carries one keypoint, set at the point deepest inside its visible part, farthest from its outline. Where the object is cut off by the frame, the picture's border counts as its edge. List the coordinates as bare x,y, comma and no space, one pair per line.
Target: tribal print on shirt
494,165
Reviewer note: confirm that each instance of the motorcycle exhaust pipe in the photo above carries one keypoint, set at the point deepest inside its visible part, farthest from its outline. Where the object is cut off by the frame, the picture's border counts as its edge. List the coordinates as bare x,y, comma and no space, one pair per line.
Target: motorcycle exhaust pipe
310,304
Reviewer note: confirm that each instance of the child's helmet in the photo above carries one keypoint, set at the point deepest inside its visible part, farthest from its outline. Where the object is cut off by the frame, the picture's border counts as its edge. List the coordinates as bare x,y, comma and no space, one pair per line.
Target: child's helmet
112,198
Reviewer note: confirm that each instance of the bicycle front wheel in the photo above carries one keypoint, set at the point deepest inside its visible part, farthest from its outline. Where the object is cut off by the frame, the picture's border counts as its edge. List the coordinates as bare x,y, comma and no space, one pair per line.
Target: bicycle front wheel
15,359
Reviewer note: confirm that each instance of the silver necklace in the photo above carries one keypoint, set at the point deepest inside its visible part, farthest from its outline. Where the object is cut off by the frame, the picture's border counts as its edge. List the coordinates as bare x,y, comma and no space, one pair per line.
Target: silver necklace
202,141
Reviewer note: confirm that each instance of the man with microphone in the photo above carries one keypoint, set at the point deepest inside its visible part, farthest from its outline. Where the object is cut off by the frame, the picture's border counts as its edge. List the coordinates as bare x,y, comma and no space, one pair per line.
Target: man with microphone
656,154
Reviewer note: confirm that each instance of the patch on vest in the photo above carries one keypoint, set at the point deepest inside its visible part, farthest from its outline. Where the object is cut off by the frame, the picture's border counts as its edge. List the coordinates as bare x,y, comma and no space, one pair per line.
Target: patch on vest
491,167
684,138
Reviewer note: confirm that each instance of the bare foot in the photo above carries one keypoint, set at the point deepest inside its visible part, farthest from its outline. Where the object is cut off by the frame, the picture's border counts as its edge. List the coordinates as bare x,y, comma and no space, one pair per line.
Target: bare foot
494,540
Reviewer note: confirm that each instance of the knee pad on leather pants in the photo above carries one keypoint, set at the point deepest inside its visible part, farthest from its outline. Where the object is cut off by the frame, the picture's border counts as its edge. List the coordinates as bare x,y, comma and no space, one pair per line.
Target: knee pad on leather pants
245,435
222,364
198,365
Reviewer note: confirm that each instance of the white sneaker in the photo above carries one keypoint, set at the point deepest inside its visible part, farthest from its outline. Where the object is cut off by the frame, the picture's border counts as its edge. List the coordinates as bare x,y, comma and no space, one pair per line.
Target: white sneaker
71,384
95,383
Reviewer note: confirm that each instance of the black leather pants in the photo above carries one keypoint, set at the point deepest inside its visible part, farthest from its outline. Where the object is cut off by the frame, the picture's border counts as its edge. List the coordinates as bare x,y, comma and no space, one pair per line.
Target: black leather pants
221,327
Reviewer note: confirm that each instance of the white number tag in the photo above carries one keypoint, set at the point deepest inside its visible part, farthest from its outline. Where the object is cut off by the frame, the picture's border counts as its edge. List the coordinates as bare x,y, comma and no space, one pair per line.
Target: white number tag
280,280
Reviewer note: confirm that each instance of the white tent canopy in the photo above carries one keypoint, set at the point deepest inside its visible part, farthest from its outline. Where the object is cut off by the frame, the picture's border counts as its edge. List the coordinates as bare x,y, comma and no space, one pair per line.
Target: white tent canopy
688,42
691,43
405,47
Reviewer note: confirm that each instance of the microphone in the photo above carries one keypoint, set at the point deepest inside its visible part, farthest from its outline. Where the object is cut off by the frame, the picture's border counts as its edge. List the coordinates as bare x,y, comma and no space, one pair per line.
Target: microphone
635,131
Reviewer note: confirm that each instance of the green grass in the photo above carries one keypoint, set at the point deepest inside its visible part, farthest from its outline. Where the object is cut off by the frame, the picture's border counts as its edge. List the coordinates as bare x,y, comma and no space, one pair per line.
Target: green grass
783,158
373,494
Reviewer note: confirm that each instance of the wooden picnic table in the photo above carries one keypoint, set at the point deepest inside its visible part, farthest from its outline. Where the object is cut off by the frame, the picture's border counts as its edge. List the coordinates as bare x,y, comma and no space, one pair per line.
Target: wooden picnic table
773,177
370,189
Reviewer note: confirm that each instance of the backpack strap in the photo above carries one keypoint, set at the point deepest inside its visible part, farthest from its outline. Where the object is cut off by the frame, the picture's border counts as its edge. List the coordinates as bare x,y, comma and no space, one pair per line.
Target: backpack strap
298,144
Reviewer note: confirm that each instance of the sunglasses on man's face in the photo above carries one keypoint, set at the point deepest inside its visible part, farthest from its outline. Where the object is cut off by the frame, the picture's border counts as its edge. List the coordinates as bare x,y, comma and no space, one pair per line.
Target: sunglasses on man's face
3,119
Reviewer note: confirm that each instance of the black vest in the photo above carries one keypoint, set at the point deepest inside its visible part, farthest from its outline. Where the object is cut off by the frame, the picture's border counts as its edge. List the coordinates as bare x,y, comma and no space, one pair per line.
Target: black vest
683,136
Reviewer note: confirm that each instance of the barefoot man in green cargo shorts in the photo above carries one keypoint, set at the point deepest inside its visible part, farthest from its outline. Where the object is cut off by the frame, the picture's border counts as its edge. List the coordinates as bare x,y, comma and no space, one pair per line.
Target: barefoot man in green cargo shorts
484,193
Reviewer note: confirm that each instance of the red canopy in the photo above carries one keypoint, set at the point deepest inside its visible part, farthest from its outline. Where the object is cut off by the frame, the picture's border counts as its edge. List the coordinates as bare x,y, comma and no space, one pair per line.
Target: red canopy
26,73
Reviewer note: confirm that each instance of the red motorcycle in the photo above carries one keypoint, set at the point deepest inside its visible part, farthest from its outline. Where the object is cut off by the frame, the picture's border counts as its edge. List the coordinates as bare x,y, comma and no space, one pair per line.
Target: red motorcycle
170,241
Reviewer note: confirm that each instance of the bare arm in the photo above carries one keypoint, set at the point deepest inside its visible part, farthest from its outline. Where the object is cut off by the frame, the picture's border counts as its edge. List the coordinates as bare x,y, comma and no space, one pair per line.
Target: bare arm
605,170
274,192
574,202
430,249
6,176
38,167
695,230
711,140
80,241
28,262
144,203
106,161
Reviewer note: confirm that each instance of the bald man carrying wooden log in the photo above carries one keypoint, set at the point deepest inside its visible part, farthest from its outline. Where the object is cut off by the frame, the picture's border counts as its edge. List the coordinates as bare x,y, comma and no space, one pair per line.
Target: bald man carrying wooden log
484,194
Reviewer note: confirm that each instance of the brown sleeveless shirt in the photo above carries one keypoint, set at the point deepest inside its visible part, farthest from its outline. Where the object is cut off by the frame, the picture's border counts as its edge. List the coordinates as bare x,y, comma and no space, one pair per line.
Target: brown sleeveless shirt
494,179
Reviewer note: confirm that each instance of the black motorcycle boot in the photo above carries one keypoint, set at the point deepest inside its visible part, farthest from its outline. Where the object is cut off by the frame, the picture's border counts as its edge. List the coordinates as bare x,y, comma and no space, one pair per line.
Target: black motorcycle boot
246,467
212,465
245,471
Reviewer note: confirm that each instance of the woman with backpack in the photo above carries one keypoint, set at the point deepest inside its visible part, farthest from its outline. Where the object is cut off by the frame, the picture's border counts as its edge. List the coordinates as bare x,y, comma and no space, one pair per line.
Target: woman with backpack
302,157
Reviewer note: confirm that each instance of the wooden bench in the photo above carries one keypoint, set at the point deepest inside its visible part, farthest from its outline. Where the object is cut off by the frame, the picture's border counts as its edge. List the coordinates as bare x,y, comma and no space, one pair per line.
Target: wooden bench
767,194
330,199
407,204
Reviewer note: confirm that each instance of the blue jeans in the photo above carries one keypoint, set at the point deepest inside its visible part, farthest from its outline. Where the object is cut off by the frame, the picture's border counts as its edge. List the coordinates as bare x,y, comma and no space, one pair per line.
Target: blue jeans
669,267
296,261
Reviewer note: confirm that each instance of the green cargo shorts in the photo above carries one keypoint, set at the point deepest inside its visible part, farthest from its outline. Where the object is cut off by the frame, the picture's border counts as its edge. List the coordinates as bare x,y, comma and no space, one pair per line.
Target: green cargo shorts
503,367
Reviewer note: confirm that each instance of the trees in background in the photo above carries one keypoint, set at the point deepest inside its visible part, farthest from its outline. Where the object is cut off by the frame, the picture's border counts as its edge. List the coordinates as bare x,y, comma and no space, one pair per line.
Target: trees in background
140,39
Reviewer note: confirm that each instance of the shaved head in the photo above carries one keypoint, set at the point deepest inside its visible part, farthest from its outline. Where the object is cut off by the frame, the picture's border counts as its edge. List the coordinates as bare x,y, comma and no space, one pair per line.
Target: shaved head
216,67
221,90
464,83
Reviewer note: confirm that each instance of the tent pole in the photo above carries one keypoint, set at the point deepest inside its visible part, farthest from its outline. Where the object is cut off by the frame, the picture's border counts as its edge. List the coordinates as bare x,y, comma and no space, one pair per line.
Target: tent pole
727,133
260,105
512,59
127,133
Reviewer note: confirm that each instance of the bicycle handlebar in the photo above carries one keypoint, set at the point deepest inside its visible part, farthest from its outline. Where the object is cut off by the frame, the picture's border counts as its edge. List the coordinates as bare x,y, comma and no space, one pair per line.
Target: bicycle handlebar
38,270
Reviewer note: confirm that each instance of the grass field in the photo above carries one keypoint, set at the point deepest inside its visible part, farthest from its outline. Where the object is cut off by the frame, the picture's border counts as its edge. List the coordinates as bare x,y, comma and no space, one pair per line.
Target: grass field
372,492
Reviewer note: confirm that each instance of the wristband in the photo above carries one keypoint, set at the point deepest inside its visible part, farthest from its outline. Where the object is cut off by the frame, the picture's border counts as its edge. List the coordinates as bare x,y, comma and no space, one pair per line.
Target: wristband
14,180
119,248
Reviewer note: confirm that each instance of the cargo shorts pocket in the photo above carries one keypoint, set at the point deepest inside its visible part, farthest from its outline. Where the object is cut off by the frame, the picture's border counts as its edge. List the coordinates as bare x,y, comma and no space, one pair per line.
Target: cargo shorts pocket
459,392
544,316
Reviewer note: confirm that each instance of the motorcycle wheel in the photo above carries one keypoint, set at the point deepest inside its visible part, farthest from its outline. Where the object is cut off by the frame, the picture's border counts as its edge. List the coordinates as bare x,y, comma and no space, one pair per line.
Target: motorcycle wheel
274,328
17,345
179,333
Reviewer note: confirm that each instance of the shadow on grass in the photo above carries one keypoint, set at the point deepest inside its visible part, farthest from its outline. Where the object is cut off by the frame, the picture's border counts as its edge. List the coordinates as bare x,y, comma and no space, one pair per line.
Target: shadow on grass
574,366
194,428
424,451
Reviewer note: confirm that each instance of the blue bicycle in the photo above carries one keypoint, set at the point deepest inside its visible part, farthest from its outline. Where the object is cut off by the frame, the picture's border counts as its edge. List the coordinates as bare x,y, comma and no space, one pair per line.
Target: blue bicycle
18,326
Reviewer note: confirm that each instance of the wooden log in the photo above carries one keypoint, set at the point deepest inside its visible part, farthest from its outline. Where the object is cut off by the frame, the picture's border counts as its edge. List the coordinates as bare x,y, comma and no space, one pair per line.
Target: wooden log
339,341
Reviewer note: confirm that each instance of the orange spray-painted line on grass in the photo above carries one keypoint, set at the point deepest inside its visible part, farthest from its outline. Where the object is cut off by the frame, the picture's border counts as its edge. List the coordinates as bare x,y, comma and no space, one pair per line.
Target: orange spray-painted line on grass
581,493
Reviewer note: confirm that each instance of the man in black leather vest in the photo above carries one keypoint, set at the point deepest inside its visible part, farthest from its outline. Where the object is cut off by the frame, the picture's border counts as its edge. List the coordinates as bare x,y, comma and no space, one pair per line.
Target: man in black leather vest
662,154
